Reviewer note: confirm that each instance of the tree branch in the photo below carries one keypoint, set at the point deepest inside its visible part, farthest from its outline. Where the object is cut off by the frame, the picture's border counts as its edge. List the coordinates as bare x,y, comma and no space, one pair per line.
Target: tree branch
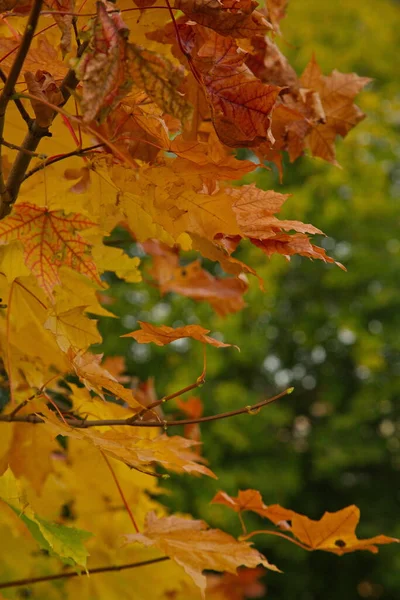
56,159
31,142
8,91
69,574
84,424
22,110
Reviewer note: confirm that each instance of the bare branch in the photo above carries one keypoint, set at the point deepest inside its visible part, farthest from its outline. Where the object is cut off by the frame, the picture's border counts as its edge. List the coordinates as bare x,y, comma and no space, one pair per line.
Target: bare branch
68,574
8,91
84,424
31,142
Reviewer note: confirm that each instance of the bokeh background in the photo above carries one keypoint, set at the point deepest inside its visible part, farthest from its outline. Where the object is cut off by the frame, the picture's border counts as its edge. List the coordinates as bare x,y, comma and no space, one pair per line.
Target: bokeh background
334,336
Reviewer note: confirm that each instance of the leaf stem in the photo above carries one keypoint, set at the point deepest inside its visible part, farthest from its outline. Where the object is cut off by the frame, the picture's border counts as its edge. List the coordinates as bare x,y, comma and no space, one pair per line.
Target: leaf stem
121,493
277,533
68,574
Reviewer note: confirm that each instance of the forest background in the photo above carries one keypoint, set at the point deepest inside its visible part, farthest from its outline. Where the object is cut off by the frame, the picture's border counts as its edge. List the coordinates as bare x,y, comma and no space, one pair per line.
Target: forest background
330,334
334,336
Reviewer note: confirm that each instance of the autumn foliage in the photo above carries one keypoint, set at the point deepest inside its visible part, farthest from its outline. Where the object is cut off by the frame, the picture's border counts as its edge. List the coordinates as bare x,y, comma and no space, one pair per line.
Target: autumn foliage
128,115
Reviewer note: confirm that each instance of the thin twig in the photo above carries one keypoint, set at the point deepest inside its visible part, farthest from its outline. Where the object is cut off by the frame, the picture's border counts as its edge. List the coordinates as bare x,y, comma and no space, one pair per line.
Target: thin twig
199,382
84,424
50,161
21,149
8,91
121,493
68,574
22,110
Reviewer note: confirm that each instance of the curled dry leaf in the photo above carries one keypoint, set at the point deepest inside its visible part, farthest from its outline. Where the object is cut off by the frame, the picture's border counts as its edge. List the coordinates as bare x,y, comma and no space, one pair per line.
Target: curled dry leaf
337,92
162,335
235,18
195,547
63,15
42,85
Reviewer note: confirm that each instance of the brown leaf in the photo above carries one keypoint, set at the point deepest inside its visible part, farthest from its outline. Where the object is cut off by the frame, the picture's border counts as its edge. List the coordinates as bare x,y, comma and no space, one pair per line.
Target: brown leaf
63,16
337,93
268,63
42,85
241,105
195,547
162,335
289,245
235,18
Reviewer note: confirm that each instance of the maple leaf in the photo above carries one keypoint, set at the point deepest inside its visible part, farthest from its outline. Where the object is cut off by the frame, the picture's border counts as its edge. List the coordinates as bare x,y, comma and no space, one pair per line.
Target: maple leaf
160,79
162,335
335,532
337,93
103,67
73,329
236,18
224,295
174,453
95,377
251,500
62,10
50,240
289,245
42,86
195,547
241,105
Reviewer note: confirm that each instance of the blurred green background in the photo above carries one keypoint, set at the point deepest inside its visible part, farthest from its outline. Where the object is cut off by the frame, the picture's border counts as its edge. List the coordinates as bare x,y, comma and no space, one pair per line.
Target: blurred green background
335,336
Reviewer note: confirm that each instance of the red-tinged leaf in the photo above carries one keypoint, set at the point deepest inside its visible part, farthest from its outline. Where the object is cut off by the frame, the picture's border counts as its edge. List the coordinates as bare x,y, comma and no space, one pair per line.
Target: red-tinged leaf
50,241
244,585
255,208
103,68
235,18
289,245
268,63
241,105
335,532
192,409
195,547
224,295
162,335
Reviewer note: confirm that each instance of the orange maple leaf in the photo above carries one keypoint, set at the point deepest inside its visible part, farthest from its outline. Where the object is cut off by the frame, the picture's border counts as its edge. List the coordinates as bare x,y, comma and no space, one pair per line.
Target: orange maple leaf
337,92
236,18
162,335
50,241
195,547
335,532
